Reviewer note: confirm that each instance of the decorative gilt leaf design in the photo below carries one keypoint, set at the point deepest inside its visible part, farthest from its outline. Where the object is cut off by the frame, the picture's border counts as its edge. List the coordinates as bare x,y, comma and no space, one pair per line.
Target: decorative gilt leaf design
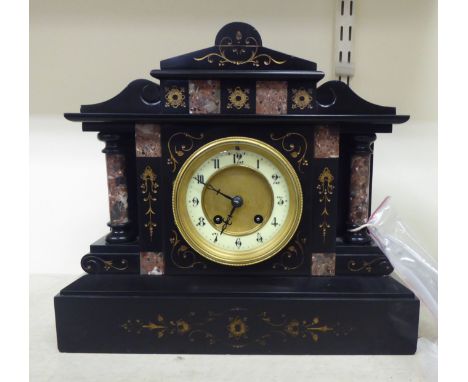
325,190
296,145
237,53
149,189
234,327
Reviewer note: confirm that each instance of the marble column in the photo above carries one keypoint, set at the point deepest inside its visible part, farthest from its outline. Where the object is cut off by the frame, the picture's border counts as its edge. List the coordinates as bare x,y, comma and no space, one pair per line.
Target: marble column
359,192
116,151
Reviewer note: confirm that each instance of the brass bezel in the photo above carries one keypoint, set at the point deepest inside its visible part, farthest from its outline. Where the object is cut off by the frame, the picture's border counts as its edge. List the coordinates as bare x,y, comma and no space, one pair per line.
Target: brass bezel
205,248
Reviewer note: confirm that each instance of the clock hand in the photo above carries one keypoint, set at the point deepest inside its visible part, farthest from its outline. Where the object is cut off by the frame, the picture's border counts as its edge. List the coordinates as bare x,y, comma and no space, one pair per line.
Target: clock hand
227,221
217,190
237,202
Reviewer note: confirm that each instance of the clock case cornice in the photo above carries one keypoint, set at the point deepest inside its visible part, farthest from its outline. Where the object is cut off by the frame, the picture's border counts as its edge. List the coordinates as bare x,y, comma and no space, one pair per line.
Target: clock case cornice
238,57
140,101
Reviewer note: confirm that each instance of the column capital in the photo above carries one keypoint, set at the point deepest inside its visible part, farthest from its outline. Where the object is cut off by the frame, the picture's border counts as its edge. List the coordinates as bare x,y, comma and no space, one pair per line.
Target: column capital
115,142
362,143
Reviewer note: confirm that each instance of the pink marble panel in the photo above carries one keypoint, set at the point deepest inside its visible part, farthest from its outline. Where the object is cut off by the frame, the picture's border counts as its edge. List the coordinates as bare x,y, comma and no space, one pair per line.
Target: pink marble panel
326,142
148,140
117,188
271,97
323,264
151,263
204,97
359,189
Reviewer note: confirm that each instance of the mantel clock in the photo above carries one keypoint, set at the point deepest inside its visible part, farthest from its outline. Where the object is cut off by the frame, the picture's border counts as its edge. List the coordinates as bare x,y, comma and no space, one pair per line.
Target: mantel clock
234,184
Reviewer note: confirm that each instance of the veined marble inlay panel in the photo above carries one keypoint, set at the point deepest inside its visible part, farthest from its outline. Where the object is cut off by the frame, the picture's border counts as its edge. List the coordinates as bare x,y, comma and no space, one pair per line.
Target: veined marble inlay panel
359,189
204,97
151,263
271,97
148,140
117,188
326,142
323,264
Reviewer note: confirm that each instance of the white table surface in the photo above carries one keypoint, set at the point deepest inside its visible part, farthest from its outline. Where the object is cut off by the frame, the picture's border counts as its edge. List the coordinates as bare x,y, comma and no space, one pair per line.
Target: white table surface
47,364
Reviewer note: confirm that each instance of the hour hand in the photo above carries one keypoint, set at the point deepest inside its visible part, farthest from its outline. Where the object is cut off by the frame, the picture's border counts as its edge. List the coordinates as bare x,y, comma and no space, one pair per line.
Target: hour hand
227,221
210,187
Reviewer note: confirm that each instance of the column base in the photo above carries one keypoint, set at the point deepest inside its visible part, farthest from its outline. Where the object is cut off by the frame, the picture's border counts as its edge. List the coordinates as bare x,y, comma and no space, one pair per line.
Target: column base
120,233
359,237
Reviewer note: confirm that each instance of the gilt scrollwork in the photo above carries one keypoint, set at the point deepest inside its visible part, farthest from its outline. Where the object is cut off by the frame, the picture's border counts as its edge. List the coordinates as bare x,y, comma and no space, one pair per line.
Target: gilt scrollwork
239,51
292,327
292,257
364,266
178,145
182,255
296,145
325,189
96,264
233,327
149,189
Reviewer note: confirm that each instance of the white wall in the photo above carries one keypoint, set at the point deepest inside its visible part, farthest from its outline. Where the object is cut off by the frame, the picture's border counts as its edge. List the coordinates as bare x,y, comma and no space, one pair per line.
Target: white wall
87,51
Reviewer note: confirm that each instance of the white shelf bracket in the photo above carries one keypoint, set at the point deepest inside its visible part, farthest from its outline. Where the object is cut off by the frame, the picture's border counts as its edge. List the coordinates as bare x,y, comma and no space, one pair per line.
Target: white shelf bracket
344,33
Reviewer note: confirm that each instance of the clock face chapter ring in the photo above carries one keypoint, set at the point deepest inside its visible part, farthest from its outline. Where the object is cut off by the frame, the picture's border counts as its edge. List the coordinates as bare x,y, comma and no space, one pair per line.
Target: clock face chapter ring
237,201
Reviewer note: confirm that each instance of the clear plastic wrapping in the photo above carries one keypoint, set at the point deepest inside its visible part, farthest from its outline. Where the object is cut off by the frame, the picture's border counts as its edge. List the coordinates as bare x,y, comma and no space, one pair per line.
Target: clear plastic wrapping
416,268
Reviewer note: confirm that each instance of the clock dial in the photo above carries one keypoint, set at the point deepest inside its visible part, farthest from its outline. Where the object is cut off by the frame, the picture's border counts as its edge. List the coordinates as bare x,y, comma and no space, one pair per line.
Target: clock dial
237,201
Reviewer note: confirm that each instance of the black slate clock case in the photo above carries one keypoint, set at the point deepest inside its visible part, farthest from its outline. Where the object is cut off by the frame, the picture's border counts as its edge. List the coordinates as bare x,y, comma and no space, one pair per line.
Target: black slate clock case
328,291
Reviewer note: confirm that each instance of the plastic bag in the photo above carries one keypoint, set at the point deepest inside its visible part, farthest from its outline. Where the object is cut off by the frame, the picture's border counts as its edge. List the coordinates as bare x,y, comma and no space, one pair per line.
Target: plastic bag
416,268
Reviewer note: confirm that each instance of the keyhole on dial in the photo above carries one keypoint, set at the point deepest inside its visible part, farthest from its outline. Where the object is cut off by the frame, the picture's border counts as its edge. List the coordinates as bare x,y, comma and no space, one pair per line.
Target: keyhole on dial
218,219
258,219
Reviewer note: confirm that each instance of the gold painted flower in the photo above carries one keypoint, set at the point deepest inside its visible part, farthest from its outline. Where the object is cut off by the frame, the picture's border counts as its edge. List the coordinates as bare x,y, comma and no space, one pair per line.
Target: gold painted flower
237,328
238,98
175,97
182,326
301,99
292,328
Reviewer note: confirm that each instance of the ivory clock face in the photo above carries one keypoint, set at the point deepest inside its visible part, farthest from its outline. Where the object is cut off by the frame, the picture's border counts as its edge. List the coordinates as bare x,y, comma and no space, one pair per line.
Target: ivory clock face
237,201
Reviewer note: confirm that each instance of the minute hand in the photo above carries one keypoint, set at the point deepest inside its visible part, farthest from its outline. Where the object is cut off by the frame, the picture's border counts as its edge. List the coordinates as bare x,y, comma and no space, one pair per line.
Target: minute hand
217,190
